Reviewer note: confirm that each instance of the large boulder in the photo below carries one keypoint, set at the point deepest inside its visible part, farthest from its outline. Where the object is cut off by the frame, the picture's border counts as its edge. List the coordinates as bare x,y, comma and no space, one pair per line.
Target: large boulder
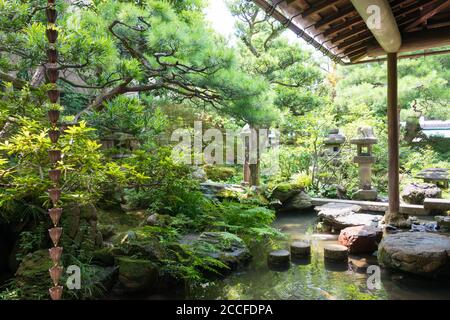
416,252
286,197
283,192
199,174
141,243
299,201
219,190
136,275
338,216
361,239
415,193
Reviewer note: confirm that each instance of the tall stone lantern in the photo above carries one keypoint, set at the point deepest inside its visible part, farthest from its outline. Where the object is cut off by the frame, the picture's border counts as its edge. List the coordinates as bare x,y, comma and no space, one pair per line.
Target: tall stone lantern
364,142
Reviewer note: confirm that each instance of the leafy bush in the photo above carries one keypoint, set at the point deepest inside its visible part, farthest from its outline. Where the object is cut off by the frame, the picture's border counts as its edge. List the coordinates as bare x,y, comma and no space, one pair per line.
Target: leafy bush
246,221
171,189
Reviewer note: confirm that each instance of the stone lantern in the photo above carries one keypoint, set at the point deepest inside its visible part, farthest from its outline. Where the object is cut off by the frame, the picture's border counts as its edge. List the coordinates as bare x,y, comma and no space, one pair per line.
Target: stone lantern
364,142
333,143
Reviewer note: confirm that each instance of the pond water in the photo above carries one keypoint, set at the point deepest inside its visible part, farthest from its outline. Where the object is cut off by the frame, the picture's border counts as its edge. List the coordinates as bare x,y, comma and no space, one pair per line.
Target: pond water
314,279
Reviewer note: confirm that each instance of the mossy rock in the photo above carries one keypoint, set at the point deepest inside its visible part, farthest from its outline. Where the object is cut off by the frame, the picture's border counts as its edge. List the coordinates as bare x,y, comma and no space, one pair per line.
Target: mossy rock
159,220
103,257
137,275
32,277
143,244
219,173
284,192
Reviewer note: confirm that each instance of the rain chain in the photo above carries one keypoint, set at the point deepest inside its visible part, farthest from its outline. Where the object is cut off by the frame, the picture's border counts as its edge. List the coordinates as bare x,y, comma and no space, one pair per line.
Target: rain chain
54,153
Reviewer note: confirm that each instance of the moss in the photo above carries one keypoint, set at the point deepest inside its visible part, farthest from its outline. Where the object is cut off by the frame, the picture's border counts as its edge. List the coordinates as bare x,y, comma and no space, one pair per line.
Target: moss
284,187
219,173
122,221
144,244
32,277
136,275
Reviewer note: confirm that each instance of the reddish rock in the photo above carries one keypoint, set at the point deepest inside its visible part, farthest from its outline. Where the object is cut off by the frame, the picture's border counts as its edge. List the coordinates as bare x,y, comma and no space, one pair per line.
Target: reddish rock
361,239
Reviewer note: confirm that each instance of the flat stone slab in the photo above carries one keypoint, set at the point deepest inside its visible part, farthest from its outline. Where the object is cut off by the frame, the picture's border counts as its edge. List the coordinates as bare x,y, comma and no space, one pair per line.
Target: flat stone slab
437,204
416,252
335,252
410,209
338,207
339,216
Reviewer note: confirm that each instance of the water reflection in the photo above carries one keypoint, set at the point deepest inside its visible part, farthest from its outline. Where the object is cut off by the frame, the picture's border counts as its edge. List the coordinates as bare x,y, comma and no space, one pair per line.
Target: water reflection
315,279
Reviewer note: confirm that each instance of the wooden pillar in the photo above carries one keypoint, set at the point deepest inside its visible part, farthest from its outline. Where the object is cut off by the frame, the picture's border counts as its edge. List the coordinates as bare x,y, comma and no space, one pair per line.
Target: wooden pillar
393,137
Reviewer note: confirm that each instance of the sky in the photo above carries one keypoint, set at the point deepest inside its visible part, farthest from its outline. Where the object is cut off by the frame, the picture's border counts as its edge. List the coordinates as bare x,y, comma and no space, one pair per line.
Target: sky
223,22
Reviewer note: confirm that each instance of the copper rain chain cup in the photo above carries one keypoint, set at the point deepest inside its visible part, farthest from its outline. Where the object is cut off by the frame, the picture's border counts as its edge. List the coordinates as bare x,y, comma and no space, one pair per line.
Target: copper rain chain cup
54,175
53,116
53,95
52,55
55,274
55,215
52,74
55,155
56,292
55,235
55,254
52,35
51,15
54,134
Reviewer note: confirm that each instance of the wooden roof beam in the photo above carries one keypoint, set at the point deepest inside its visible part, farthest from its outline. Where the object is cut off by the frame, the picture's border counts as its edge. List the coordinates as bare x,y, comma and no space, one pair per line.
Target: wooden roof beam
441,5
325,4
396,6
416,41
386,33
341,14
343,26
349,34
415,6
352,50
351,42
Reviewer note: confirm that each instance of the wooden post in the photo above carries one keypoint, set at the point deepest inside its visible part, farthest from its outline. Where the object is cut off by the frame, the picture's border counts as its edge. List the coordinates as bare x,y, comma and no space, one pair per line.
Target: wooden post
246,161
393,140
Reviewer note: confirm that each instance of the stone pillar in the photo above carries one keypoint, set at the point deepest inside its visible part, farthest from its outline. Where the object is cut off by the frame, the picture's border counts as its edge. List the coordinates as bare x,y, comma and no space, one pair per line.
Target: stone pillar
365,159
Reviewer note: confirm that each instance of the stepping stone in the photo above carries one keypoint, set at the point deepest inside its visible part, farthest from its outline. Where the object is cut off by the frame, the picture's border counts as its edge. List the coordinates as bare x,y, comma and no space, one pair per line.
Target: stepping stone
361,239
335,252
420,253
279,259
300,249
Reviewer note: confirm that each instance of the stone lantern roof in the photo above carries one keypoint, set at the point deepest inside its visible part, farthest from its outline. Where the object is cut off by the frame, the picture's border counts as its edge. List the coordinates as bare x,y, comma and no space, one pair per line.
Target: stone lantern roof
365,137
335,138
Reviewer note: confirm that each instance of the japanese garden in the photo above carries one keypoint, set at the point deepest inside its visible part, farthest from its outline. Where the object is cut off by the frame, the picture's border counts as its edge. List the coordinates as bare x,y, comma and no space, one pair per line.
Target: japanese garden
224,150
